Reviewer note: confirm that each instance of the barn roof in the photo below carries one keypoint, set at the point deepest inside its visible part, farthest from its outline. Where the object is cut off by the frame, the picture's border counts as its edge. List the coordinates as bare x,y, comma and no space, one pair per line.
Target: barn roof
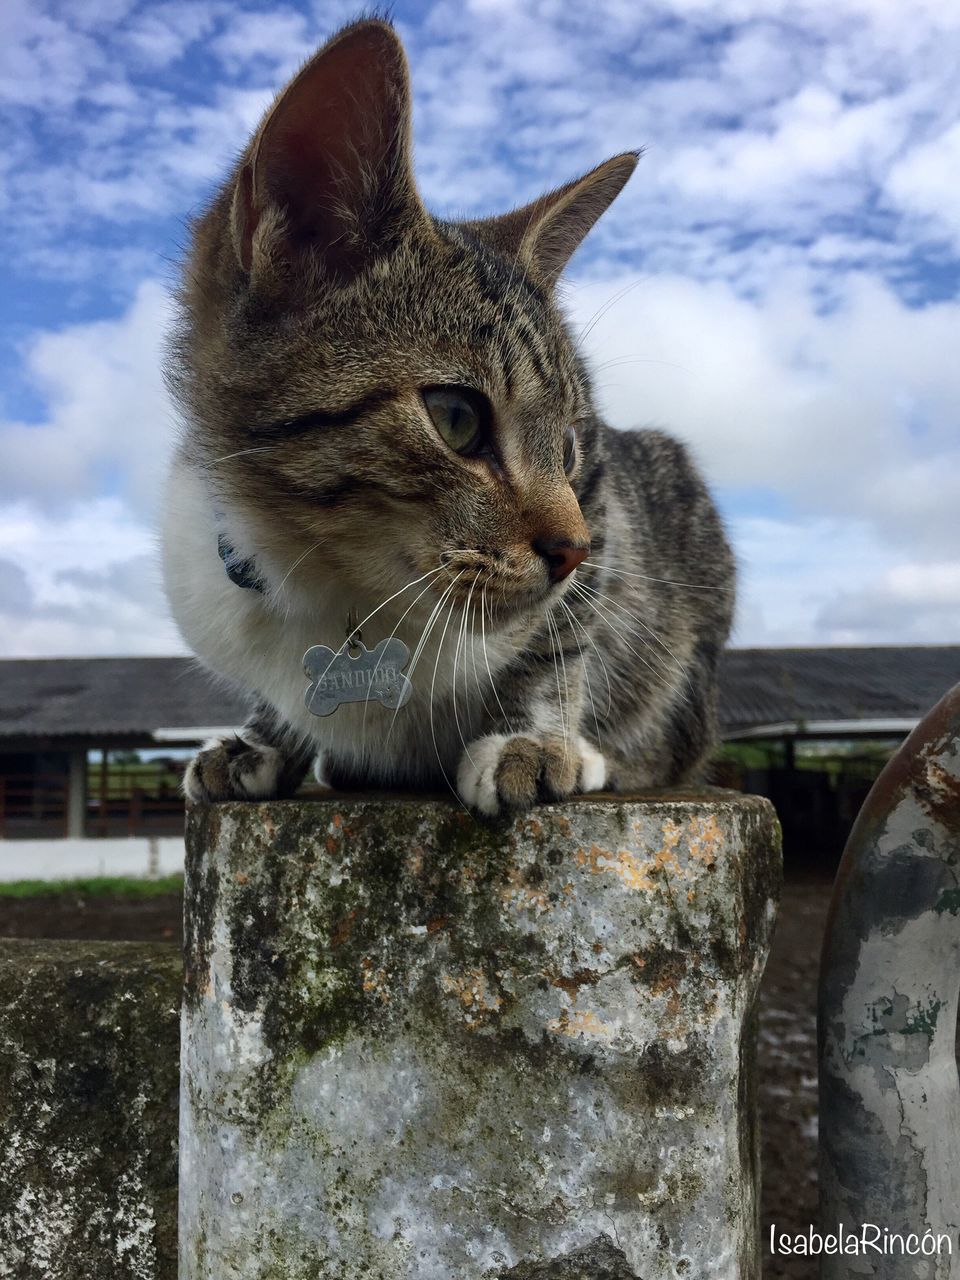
761,689
110,697
826,689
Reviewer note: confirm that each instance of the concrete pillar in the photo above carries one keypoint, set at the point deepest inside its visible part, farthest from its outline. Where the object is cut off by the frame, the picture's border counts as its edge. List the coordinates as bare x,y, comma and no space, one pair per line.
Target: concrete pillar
415,1048
888,1000
77,796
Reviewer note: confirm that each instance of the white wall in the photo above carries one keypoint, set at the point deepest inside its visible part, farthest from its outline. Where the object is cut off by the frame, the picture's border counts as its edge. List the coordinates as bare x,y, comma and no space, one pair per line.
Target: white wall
76,859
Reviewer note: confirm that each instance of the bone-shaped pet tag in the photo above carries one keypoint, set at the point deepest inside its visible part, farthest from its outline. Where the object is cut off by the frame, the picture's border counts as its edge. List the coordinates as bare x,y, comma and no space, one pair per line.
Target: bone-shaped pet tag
370,675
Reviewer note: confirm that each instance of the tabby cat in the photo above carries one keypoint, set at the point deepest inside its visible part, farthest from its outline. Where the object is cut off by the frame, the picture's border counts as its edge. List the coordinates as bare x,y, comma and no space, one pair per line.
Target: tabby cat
389,429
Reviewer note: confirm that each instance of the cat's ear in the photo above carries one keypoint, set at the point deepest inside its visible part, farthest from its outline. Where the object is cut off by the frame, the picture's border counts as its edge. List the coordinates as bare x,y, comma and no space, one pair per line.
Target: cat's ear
544,234
329,173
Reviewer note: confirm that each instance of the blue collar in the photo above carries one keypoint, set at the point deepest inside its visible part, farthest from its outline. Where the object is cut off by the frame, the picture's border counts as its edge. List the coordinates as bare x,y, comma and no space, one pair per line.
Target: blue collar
242,572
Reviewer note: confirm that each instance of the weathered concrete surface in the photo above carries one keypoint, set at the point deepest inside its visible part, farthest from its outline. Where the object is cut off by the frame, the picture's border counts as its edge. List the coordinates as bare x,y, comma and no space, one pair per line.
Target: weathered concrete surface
88,1110
418,1049
889,982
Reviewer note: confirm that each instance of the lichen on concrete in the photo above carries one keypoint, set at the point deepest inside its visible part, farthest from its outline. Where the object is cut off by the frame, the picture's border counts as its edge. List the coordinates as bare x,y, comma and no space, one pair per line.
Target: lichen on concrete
417,1047
88,1110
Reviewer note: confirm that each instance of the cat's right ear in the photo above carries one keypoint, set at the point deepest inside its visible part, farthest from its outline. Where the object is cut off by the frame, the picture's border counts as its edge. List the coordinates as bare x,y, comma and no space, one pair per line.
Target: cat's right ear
328,174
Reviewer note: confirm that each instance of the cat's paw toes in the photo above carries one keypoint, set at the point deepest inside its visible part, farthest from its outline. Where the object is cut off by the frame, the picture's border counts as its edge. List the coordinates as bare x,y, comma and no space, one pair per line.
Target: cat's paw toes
500,774
232,769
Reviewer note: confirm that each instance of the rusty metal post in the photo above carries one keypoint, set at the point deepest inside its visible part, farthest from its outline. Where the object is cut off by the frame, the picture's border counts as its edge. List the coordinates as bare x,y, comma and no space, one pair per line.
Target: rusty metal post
415,1048
889,983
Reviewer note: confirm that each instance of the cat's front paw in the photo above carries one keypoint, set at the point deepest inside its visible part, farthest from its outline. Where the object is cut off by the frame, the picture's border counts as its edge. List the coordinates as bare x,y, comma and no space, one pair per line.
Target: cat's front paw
509,774
232,769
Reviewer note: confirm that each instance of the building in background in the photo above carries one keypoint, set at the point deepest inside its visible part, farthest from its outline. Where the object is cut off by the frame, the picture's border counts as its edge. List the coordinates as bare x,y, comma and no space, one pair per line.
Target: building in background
94,748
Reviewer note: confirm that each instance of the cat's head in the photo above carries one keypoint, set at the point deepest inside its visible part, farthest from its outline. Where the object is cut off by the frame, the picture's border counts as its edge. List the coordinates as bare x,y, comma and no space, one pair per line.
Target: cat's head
376,393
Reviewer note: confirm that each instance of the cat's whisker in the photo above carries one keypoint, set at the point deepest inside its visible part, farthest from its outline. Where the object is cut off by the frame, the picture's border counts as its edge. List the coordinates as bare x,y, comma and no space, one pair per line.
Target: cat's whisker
586,669
556,645
299,560
681,670
431,573
424,638
673,582
598,315
600,658
618,361
473,655
215,462
604,616
629,621
376,611
419,596
433,683
461,637
486,658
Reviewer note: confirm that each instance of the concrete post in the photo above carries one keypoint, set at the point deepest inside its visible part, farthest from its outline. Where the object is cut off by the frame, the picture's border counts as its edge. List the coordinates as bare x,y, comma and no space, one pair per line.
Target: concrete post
889,982
415,1048
77,796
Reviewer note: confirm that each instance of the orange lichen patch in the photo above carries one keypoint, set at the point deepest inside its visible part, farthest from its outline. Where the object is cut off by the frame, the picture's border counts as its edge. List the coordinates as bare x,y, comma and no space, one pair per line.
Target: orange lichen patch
533,827
623,864
338,819
706,839
415,860
669,980
473,991
374,980
580,1022
466,877
331,844
572,984
671,832
343,930
437,923
519,893
241,878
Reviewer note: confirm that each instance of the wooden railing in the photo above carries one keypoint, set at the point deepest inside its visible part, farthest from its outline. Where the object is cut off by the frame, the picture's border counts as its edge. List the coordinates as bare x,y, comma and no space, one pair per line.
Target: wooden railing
33,805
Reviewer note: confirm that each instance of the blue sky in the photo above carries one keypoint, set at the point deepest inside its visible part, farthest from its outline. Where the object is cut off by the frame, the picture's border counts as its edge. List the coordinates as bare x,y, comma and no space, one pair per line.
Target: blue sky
778,284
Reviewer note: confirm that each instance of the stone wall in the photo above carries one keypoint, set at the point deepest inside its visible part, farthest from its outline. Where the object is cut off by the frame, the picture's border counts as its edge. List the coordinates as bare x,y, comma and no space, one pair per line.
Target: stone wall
89,1046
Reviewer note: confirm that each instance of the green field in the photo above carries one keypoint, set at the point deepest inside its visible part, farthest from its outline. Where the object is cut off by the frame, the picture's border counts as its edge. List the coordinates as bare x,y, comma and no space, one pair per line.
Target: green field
93,887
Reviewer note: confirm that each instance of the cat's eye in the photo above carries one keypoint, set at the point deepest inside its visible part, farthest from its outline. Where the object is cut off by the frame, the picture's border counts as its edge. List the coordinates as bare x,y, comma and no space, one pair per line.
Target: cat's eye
569,449
461,416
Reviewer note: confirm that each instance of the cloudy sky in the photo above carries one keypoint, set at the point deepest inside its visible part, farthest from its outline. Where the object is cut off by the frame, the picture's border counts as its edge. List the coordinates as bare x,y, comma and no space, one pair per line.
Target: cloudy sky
779,283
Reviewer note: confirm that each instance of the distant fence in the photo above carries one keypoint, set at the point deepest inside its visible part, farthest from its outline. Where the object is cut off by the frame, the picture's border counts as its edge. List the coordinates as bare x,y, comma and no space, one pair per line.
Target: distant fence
33,805
125,803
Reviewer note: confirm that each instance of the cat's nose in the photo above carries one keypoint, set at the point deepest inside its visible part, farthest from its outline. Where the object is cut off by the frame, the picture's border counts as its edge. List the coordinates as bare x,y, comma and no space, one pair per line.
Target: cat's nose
561,555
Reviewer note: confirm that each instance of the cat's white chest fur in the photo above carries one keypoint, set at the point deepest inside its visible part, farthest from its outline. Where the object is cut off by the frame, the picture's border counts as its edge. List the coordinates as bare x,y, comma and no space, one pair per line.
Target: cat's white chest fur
236,632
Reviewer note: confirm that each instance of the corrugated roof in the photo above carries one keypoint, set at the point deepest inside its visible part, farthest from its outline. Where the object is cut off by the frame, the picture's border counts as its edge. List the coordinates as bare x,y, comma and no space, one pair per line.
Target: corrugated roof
883,682
80,697
96,697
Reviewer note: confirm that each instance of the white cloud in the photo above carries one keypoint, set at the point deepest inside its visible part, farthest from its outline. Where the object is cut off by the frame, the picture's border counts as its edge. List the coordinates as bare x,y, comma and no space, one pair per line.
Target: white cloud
925,180
853,412
820,580
799,165
84,581
912,603
109,420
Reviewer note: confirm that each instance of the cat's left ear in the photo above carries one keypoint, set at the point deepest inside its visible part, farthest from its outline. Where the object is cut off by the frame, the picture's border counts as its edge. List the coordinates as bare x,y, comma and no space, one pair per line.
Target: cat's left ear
544,234
328,175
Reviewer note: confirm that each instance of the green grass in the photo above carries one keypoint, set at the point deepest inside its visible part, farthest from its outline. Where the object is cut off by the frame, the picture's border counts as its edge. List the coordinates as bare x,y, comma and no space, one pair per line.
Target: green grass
93,887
